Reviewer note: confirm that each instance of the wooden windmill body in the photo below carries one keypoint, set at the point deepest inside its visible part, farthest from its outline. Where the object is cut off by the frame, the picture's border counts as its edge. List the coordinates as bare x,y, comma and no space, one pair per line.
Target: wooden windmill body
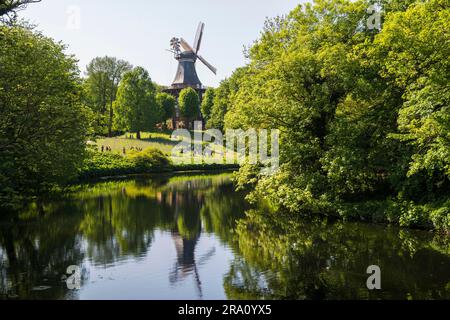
186,76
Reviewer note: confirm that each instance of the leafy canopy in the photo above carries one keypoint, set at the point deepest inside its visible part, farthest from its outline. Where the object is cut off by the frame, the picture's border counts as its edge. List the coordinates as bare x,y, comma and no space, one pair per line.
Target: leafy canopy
136,109
207,103
189,103
43,125
103,77
363,113
166,103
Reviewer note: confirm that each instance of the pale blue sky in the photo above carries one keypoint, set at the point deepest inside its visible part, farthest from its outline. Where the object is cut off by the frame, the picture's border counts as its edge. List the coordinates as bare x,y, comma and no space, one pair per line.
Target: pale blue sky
140,30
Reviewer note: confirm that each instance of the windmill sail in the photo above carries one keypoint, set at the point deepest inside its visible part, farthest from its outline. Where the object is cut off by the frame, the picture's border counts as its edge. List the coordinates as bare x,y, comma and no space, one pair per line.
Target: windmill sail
206,63
186,45
198,37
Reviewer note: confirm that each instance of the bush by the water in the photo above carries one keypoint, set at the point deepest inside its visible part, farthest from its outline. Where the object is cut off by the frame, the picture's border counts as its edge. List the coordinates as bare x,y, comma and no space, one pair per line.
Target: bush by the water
151,160
104,164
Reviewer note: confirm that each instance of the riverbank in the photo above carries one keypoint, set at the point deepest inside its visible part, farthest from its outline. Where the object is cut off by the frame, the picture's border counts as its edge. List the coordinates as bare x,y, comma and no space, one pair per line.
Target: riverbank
177,171
150,161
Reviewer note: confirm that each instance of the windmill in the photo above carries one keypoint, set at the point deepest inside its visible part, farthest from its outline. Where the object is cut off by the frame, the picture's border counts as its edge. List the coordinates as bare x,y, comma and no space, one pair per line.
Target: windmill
187,56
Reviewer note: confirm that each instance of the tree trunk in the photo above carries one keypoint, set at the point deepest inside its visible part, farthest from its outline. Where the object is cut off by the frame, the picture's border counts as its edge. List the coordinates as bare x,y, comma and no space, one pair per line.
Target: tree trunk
110,119
138,135
40,207
111,102
174,124
10,248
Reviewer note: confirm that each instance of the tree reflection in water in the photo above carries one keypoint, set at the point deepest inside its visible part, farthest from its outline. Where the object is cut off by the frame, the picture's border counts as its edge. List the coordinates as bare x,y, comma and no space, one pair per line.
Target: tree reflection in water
290,258
272,256
105,224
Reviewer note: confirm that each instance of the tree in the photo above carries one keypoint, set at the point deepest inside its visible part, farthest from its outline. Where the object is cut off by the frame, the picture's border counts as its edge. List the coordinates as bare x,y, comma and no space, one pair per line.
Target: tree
207,104
363,114
43,125
103,77
418,63
166,103
136,109
189,104
223,98
9,9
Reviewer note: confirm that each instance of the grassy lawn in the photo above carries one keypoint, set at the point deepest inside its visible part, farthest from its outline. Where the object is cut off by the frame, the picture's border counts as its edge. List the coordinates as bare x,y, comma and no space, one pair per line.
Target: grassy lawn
136,161
159,141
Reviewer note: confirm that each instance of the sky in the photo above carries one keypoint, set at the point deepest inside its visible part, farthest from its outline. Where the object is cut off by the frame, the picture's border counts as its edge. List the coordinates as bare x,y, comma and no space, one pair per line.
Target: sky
139,31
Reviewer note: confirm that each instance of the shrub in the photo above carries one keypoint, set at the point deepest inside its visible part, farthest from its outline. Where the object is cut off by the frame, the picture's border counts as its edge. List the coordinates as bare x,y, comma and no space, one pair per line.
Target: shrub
441,217
150,159
105,164
415,216
98,165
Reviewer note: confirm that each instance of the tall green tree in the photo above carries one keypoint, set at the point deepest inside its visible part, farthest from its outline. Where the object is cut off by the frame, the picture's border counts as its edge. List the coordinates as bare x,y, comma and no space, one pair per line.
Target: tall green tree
224,96
103,77
43,125
207,104
189,104
136,109
363,113
167,104
417,43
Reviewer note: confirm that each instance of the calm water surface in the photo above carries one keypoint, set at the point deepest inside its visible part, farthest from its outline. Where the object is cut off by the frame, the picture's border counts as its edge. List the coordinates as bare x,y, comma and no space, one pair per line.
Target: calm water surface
194,237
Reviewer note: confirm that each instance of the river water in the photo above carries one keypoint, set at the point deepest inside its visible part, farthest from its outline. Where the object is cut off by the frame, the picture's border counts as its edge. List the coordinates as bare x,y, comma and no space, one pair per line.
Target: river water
194,237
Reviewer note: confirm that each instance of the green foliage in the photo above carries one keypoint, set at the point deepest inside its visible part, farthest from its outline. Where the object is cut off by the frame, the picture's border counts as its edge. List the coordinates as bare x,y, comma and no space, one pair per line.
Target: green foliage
166,103
9,9
150,158
99,164
109,164
207,104
43,126
416,42
223,97
433,214
363,114
100,89
189,104
136,109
